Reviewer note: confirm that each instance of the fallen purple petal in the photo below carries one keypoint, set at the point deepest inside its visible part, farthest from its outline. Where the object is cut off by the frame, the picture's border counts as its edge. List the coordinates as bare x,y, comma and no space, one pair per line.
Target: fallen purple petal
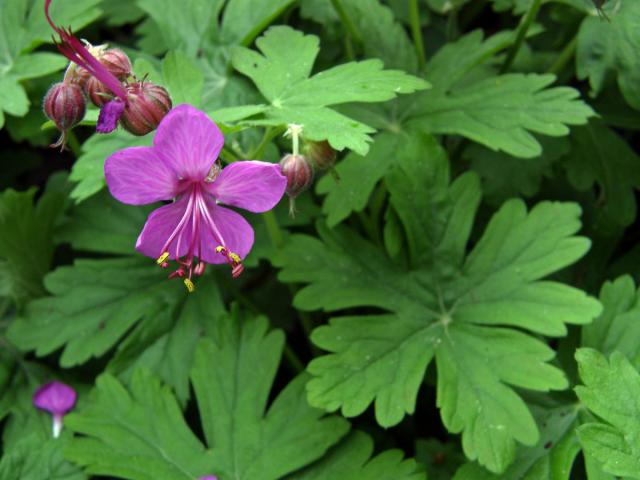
56,398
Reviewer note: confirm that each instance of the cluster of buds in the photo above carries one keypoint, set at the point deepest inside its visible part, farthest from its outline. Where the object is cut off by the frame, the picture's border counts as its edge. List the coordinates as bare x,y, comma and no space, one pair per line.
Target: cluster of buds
300,168
105,77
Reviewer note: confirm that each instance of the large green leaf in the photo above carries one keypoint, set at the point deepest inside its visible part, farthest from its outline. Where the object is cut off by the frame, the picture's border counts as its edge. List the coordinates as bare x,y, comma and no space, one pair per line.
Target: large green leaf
469,311
93,304
146,437
500,112
282,74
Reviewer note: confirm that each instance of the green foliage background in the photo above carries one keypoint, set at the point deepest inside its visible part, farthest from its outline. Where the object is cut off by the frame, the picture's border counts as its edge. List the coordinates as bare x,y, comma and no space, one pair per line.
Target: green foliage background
457,300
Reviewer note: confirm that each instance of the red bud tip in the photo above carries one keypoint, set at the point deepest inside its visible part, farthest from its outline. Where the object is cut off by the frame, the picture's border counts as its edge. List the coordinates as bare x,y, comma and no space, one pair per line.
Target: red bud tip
147,104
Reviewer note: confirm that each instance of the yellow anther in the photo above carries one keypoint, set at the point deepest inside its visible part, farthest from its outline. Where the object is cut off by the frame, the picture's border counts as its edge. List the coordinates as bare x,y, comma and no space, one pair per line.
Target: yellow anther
234,257
220,249
161,259
189,284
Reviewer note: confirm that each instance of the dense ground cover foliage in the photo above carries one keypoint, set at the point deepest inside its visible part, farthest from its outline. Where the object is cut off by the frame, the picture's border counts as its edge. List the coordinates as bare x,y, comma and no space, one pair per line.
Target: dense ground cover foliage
400,239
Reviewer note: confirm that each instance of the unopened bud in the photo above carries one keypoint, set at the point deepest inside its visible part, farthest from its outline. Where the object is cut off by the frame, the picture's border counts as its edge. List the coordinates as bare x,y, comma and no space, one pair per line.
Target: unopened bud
97,92
320,154
299,173
147,104
65,105
113,59
117,62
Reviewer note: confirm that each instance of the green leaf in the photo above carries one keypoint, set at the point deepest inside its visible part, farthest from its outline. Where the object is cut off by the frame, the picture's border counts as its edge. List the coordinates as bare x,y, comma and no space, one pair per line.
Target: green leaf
93,304
165,343
551,458
136,433
440,459
88,170
351,460
618,327
182,78
282,74
471,313
504,177
358,176
599,155
187,26
383,36
604,47
501,112
232,376
102,224
610,391
243,20
26,245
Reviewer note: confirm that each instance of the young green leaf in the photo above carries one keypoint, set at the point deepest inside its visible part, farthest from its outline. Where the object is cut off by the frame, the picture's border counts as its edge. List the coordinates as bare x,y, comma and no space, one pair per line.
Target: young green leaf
182,78
282,74
611,391
26,243
618,327
146,437
471,312
351,460
605,46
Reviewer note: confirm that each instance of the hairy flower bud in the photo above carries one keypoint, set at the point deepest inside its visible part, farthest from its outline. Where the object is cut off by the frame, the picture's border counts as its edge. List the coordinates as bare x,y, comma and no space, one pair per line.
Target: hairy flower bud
320,154
117,62
147,104
97,92
65,105
299,174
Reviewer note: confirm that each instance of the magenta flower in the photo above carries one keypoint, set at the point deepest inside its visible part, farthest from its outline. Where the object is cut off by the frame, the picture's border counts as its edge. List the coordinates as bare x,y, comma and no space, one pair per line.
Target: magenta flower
74,50
182,165
208,477
57,399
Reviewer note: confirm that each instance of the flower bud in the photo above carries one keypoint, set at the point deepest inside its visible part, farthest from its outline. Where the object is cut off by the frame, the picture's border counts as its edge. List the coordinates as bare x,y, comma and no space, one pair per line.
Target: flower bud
321,155
64,103
299,174
117,62
146,105
97,92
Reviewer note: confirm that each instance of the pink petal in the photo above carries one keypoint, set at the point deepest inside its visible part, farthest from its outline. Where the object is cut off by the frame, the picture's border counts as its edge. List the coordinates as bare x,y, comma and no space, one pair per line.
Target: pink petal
235,230
137,176
188,142
55,397
159,227
252,185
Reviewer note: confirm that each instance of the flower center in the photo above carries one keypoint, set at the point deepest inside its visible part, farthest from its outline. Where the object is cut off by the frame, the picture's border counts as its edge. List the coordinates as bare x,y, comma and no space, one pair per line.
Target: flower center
195,225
